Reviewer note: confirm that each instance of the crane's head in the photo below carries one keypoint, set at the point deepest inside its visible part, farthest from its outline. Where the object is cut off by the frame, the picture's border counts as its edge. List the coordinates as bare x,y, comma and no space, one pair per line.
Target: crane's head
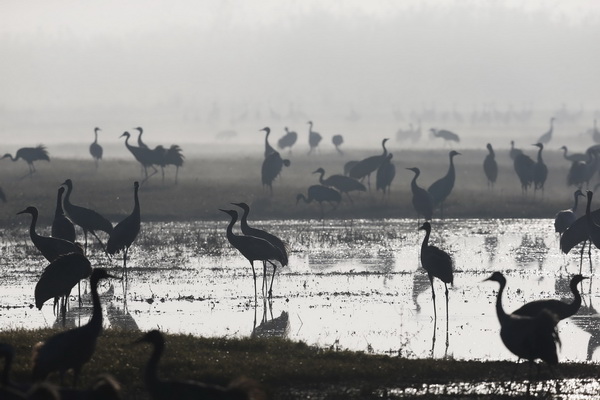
319,171
265,129
538,145
489,146
497,277
425,227
154,337
576,280
29,210
563,148
243,206
415,170
232,213
101,273
68,183
7,155
126,134
96,129
454,153
139,129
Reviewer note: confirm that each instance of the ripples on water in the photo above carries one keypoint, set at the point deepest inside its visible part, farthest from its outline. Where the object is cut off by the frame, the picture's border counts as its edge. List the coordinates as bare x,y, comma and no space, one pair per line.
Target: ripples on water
350,284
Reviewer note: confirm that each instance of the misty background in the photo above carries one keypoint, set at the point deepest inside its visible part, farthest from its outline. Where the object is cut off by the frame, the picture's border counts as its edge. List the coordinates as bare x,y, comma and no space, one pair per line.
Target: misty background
216,71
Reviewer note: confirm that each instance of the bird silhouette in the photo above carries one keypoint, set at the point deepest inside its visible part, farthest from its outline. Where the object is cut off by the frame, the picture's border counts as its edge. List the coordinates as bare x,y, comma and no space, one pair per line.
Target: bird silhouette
59,278
540,170
125,232
565,218
268,148
530,338
337,141
143,155
367,166
288,140
421,199
141,143
95,149
73,348
593,229
160,389
174,156
259,233
578,233
30,154
573,156
344,184
490,166
514,152
88,219
546,137
385,174
62,226
437,263
50,247
271,168
523,165
320,194
559,308
252,248
441,189
445,134
314,138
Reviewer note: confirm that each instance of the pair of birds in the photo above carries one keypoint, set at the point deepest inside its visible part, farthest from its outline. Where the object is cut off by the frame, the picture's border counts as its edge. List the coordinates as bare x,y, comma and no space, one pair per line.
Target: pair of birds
256,245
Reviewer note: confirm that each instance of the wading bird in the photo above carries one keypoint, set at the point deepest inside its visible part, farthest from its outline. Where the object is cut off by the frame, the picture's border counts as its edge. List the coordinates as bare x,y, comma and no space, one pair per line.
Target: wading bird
174,156
514,152
573,157
95,149
565,218
540,170
288,140
141,143
578,233
437,263
259,233
160,389
62,226
559,308
523,165
271,168
314,138
421,199
89,220
367,166
320,194
593,229
73,348
143,155
30,154
441,189
252,248
490,166
546,137
50,247
268,148
530,338
337,141
344,184
445,134
385,174
125,232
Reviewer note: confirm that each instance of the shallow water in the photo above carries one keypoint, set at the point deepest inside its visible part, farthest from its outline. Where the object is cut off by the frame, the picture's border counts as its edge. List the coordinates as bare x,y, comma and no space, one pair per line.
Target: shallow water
350,285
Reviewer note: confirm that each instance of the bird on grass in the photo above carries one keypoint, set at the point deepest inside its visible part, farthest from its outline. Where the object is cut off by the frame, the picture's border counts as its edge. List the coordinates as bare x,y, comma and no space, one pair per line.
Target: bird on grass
445,134
88,219
367,166
271,168
574,156
95,149
421,199
559,308
490,166
125,232
50,247
337,141
523,165
385,174
268,148
344,184
320,194
73,348
546,137
288,140
259,233
540,170
441,189
437,263
161,389
252,248
314,138
527,337
30,154
565,218
62,226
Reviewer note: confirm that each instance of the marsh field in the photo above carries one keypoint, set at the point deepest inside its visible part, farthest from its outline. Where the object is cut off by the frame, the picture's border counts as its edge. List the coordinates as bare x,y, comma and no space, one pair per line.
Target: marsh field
354,291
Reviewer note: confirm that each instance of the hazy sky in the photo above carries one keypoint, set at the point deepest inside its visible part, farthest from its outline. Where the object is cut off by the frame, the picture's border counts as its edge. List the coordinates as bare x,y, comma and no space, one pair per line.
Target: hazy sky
204,66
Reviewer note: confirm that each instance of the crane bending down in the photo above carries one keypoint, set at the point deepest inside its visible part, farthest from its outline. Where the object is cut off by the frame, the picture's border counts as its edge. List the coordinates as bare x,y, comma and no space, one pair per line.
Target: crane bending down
441,189
125,232
30,154
89,220
343,183
252,248
259,233
95,149
160,389
73,348
288,140
320,193
445,134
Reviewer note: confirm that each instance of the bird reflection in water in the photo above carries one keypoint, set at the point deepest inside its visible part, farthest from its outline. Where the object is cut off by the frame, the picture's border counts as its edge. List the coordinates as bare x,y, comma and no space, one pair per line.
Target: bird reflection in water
491,246
271,327
120,318
530,251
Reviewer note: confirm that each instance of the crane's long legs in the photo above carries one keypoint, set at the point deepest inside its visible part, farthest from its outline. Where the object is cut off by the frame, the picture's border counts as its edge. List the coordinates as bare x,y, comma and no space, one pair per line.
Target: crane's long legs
433,297
254,276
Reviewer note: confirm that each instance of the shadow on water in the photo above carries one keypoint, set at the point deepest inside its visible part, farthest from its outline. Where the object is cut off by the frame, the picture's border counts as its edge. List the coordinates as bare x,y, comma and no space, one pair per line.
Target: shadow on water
269,326
531,251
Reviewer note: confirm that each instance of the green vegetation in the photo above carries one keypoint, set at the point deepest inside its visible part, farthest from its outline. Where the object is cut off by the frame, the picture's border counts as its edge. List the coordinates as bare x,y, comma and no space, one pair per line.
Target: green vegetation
285,369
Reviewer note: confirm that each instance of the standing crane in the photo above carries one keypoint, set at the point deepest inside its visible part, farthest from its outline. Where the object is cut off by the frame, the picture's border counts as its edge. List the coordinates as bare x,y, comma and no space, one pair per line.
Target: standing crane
540,170
50,247
88,219
344,184
523,165
287,140
314,138
421,199
95,149
546,137
320,194
62,226
259,233
441,189
143,155
268,148
490,166
160,389
565,218
445,134
125,232
271,168
514,152
593,229
367,166
337,141
30,154
141,143
252,248
385,174
73,348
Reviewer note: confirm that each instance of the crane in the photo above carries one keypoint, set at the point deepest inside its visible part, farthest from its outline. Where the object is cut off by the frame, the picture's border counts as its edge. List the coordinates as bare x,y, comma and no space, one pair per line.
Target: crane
320,194
337,141
565,218
287,140
95,149
574,156
523,165
143,155
268,148
445,134
514,152
385,174
367,166
30,154
62,226
540,170
125,232
314,138
421,199
490,166
344,184
271,168
441,189
546,137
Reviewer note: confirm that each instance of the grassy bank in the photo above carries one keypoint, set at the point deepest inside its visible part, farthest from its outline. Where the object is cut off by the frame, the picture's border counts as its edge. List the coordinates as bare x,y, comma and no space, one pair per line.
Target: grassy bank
214,180
285,369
